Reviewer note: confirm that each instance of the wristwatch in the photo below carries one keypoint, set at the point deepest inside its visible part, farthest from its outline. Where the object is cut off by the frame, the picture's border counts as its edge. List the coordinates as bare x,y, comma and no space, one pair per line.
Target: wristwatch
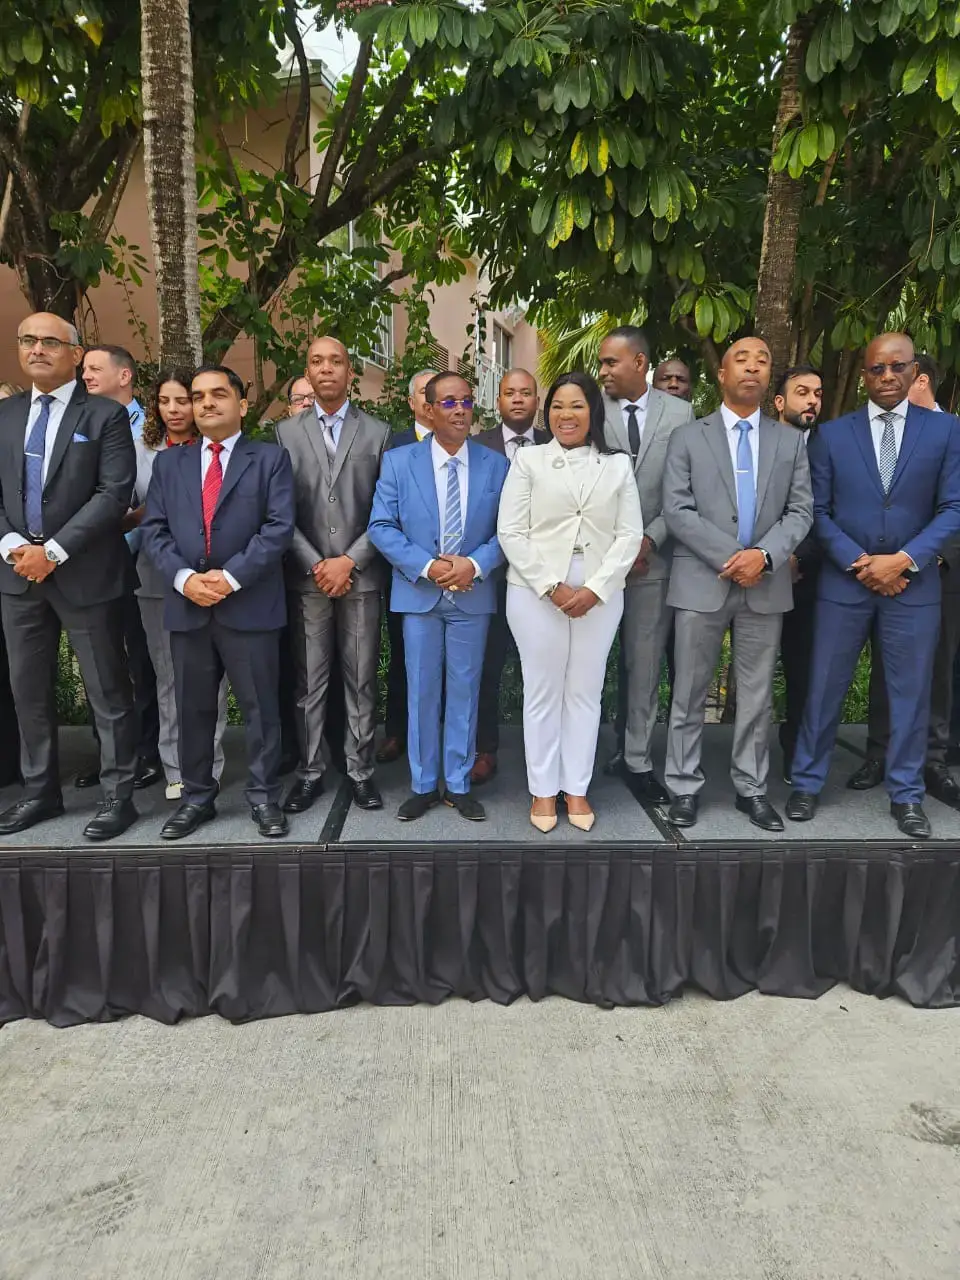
550,590
767,560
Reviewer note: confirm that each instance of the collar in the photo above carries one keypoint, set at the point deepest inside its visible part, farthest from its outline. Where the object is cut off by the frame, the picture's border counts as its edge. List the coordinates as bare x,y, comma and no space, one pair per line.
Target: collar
441,457
228,444
179,444
63,393
420,431
730,419
641,404
509,433
874,411
337,416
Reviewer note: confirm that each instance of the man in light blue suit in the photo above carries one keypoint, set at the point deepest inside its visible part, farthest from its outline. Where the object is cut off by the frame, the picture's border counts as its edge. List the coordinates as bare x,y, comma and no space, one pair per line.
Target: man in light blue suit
434,518
886,488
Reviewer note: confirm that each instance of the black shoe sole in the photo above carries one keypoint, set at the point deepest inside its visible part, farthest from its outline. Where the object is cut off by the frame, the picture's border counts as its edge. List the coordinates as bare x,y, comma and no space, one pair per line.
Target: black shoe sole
272,835
369,805
801,817
300,807
682,822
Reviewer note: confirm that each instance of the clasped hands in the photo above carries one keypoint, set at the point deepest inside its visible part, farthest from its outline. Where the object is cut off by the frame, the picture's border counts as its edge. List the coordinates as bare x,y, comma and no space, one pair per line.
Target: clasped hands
574,601
745,568
884,574
31,562
334,577
452,573
207,589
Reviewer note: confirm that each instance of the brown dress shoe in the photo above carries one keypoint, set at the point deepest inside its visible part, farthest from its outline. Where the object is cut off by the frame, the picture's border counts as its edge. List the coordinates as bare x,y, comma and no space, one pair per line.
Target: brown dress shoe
390,749
484,767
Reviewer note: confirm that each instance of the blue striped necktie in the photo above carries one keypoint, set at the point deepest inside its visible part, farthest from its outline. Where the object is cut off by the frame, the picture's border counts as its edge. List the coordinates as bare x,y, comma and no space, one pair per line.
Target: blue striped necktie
452,516
746,487
33,469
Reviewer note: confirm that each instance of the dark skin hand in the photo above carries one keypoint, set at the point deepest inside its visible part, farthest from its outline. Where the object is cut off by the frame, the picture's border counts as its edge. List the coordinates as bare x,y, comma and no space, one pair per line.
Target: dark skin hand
882,573
641,566
32,563
453,573
334,576
745,568
132,519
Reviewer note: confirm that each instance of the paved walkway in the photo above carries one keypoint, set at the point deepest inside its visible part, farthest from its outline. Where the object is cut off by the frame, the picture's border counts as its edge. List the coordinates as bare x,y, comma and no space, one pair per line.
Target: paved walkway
759,1139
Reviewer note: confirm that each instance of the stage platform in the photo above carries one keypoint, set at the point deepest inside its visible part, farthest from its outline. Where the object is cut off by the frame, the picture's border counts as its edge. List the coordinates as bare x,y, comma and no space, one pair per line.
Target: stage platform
358,906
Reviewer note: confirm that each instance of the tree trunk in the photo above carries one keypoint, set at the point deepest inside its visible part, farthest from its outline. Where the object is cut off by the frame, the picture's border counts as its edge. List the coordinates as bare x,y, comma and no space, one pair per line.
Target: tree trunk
169,163
781,222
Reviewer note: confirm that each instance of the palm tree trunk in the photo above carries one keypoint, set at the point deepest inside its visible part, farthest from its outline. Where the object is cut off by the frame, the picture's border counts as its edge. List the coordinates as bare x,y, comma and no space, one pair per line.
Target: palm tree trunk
781,223
169,164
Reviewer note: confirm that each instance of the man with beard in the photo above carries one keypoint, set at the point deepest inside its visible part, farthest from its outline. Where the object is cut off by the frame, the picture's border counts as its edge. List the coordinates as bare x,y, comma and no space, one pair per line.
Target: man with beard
798,400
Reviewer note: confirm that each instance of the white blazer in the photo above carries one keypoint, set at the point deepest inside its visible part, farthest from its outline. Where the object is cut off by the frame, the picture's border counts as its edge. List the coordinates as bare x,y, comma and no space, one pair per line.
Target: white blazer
543,516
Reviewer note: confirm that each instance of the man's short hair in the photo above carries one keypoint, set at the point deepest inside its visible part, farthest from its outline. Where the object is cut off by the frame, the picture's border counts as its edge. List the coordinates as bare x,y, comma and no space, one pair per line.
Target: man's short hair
633,334
796,371
231,377
926,364
119,355
297,377
421,373
430,390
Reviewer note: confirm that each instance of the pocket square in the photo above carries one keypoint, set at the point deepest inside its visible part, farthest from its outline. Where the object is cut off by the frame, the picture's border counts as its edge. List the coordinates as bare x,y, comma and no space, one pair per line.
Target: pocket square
79,439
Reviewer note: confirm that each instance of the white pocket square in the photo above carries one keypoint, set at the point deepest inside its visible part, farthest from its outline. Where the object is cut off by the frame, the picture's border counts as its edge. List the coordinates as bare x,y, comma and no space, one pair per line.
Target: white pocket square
79,439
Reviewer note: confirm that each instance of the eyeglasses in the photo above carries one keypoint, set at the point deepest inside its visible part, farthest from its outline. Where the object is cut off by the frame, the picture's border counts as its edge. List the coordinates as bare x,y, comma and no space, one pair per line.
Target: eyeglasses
452,403
307,398
51,345
898,367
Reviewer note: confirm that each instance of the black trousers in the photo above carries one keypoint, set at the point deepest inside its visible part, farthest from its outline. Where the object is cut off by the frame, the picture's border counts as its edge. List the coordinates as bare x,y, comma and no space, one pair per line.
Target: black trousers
251,660
9,727
796,646
499,643
32,623
941,690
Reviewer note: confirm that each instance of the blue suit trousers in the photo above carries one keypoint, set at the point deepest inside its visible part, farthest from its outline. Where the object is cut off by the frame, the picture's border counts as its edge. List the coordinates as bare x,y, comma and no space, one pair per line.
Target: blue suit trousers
444,658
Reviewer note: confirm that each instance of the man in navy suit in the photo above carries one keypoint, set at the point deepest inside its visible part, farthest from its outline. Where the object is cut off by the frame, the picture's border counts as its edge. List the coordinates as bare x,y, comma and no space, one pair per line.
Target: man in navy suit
886,483
434,518
218,521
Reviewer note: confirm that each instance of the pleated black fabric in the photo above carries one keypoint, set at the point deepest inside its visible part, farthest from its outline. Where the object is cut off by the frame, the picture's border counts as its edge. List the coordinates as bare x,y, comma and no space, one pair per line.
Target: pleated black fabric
250,934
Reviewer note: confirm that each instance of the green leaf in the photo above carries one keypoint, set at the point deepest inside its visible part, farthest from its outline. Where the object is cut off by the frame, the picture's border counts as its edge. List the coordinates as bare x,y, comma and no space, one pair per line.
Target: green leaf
503,155
619,146
827,138
918,70
890,17
809,145
579,154
627,78
603,229
582,210
599,152
540,217
812,65
580,85
703,315
642,257
948,70
33,45
955,247
659,193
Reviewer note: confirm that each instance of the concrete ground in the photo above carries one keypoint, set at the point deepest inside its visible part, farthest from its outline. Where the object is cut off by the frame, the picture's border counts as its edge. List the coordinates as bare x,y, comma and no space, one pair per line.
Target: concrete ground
762,1138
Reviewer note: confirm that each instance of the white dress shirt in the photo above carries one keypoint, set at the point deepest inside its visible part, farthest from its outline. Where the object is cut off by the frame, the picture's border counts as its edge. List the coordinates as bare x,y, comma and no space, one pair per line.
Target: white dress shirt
876,426
511,440
335,420
206,457
61,398
641,408
441,459
420,431
730,420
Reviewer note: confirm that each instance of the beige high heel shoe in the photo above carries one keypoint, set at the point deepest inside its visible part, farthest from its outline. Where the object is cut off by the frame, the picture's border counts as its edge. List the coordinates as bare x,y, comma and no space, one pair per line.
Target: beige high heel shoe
544,822
582,821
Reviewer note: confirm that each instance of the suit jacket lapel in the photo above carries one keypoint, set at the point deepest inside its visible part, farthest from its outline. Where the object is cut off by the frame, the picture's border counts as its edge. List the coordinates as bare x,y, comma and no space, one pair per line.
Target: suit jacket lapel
422,468
767,443
912,428
314,435
71,419
348,433
651,423
613,421
715,434
864,439
477,472
240,459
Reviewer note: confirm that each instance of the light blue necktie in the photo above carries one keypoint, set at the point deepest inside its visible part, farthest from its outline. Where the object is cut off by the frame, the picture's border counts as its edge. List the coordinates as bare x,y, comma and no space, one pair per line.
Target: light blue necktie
452,516
33,469
746,487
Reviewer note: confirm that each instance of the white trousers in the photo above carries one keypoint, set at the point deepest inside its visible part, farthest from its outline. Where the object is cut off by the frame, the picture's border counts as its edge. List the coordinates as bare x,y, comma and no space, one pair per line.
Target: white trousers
564,661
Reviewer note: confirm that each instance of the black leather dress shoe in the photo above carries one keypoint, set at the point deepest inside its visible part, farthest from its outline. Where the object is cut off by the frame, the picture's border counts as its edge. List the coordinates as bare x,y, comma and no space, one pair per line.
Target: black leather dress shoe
416,805
615,766
112,820
86,780
868,776
943,786
801,806
390,749
186,820
302,795
760,812
466,806
912,821
646,788
270,820
148,773
27,813
683,811
366,795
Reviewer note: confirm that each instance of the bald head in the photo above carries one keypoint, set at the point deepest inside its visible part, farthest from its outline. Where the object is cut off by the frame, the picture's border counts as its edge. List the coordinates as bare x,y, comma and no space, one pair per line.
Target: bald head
744,375
329,372
50,350
517,400
674,378
889,369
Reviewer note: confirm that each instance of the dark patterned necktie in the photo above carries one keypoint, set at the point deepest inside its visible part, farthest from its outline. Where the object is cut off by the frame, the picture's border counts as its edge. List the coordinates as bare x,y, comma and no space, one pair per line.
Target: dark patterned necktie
633,431
888,450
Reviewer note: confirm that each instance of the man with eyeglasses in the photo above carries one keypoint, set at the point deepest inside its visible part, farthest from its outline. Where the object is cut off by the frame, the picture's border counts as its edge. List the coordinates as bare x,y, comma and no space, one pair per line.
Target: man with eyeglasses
299,395
886,483
435,519
67,470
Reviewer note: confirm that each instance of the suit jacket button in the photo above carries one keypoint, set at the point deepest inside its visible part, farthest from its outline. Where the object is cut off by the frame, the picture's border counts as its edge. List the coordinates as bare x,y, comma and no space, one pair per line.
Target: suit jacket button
332,530
331,498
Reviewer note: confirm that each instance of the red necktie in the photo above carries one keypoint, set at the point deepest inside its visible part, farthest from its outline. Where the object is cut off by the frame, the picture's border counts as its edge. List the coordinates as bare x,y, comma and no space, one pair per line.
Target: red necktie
211,489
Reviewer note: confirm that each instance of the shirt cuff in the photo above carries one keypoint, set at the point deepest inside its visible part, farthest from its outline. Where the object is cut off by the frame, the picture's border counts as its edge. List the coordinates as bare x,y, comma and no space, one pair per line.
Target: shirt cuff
58,551
913,566
180,581
9,542
231,579
478,576
425,571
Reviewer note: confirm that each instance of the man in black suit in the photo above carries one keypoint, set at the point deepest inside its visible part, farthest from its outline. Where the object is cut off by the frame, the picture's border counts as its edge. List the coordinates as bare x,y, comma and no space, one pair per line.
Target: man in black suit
517,404
395,719
218,522
67,470
798,400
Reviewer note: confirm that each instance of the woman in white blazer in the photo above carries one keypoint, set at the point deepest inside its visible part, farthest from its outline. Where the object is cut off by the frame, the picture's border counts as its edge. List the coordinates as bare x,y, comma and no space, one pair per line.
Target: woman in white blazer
570,527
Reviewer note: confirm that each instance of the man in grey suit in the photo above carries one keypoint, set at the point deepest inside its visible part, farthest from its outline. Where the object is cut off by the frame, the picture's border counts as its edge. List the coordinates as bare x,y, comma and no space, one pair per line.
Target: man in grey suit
737,500
639,421
334,573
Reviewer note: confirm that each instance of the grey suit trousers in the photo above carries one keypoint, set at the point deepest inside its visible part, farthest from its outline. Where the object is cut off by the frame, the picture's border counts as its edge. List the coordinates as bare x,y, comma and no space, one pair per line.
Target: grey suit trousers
319,627
697,644
646,627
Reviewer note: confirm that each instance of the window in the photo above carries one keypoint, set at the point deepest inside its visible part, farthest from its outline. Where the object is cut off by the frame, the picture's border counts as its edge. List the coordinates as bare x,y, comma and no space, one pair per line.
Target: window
382,352
502,348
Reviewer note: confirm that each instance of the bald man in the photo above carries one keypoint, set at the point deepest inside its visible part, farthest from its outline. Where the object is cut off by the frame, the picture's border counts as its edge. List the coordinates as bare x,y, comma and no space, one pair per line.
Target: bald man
673,377
737,501
887,501
67,470
334,573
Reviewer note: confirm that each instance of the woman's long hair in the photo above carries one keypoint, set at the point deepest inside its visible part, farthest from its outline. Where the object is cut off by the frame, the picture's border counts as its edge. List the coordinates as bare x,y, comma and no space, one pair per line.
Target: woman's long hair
594,397
154,430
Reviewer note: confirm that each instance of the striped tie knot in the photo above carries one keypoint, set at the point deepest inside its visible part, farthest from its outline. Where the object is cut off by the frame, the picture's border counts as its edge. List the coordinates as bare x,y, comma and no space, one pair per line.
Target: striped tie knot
453,516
